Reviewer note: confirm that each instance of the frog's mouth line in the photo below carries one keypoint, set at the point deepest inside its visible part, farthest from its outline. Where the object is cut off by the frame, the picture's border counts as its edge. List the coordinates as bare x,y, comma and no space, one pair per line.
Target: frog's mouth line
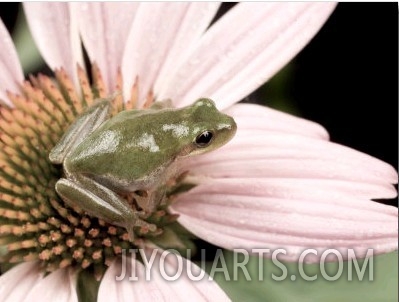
35,222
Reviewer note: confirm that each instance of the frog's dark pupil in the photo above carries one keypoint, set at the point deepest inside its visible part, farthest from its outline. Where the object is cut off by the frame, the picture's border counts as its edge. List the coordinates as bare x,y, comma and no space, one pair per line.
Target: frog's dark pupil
204,139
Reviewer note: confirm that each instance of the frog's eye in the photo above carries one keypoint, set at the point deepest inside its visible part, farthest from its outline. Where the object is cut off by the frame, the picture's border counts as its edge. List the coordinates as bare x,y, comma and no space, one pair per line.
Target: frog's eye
203,139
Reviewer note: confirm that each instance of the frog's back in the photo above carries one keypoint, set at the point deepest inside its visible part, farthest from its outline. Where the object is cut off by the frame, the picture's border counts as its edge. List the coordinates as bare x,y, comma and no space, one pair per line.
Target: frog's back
138,148
124,150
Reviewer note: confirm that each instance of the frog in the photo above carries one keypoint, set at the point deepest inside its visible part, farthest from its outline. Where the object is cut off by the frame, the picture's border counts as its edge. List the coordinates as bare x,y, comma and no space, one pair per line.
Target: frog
105,157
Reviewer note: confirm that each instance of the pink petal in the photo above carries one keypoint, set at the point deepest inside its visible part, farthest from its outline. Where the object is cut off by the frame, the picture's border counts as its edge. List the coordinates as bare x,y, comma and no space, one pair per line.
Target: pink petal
56,34
245,49
58,286
270,155
11,74
156,41
104,28
256,117
269,144
290,214
23,276
269,188
158,288
192,26
111,289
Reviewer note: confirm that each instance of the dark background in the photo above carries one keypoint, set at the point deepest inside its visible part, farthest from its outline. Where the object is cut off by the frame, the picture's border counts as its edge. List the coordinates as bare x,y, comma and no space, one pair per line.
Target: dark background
346,79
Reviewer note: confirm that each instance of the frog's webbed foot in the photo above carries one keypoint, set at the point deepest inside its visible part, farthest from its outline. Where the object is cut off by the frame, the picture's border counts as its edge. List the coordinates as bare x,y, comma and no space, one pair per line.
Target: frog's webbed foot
101,202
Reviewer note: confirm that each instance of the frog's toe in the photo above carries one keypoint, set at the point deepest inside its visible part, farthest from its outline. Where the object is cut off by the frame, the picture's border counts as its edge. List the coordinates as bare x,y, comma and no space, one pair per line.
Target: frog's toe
145,225
130,232
144,228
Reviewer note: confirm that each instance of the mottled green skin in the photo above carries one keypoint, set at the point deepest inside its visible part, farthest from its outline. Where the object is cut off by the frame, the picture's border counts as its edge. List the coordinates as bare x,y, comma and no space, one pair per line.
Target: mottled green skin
134,150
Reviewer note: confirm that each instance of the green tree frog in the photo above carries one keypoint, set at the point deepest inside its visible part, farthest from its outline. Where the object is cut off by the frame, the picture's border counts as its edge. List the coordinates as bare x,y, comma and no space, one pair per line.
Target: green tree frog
134,151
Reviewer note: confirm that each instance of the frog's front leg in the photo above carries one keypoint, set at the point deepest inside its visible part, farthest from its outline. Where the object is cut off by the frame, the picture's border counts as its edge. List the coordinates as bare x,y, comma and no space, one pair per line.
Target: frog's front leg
100,202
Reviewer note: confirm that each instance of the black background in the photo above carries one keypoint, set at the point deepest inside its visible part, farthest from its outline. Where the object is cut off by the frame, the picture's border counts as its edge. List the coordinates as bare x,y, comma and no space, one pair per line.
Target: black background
346,79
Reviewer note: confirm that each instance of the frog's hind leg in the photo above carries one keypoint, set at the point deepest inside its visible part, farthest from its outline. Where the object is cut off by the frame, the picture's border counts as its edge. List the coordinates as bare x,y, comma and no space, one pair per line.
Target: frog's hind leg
84,124
101,202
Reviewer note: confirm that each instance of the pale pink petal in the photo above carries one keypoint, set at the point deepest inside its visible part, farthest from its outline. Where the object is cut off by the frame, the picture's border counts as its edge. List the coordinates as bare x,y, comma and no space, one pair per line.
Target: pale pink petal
58,286
104,28
56,34
262,38
290,214
269,188
11,74
277,155
113,289
192,26
256,117
201,287
269,144
156,40
159,286
23,276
